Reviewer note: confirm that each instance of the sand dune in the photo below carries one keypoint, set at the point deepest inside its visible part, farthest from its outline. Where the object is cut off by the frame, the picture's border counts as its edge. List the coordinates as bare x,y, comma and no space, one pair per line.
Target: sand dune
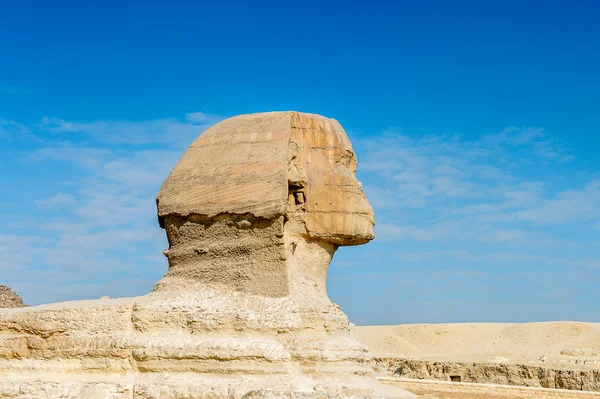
554,343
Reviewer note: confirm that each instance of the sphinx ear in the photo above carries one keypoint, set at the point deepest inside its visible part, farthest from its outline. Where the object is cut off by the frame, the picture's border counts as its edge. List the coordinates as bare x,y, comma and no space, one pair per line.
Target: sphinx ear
297,179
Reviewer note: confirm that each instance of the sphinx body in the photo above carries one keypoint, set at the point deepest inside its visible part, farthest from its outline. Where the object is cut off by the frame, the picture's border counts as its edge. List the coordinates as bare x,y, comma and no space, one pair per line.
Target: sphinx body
254,212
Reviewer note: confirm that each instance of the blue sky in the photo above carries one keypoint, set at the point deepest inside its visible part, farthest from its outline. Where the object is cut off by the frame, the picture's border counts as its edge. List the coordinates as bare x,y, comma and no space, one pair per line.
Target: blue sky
475,123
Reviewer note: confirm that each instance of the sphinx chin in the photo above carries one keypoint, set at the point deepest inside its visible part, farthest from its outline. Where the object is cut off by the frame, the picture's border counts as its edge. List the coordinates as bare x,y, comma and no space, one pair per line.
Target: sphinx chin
254,212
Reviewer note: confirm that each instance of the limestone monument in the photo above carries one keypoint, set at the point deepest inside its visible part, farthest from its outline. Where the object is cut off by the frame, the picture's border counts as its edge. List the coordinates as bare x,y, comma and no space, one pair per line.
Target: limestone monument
10,299
254,212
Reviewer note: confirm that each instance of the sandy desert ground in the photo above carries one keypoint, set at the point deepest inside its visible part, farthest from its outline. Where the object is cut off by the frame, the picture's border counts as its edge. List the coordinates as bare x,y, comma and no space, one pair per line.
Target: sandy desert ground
555,344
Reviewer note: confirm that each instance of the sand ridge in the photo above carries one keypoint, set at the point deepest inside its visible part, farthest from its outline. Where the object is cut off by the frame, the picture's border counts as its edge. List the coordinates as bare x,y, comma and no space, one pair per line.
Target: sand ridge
557,343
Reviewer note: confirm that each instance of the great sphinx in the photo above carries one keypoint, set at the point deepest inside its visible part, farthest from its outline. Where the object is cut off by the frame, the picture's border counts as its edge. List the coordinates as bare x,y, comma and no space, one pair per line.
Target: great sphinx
254,212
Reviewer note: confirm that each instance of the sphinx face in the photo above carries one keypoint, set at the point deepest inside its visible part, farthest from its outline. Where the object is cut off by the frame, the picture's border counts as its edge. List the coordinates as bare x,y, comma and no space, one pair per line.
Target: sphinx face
324,170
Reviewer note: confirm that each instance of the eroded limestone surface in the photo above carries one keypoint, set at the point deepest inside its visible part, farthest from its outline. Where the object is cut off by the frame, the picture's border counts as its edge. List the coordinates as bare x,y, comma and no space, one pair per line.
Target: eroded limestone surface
254,212
487,373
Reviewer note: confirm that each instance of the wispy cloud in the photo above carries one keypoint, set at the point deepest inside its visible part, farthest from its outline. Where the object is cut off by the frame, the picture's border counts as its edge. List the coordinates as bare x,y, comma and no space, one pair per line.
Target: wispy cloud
492,193
569,206
441,231
56,201
11,130
158,131
423,170
513,136
495,259
19,249
202,118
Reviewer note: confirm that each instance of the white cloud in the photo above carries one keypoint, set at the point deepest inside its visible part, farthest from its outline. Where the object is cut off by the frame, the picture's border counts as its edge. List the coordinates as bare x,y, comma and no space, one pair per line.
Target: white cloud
158,131
466,230
569,206
514,136
486,260
56,201
441,231
202,118
424,170
18,250
499,235
381,197
490,193
140,169
552,151
11,130
88,158
534,140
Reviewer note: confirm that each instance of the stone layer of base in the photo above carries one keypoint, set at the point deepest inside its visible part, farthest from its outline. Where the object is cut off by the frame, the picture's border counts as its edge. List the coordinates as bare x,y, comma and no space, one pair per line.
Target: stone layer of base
185,386
486,373
458,390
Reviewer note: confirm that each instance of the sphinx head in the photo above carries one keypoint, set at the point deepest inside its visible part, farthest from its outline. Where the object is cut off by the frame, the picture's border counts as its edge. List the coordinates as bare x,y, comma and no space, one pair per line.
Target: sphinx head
246,181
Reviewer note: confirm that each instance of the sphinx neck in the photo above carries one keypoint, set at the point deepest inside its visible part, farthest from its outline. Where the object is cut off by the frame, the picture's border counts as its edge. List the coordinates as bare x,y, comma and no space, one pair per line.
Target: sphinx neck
307,264
226,252
270,258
